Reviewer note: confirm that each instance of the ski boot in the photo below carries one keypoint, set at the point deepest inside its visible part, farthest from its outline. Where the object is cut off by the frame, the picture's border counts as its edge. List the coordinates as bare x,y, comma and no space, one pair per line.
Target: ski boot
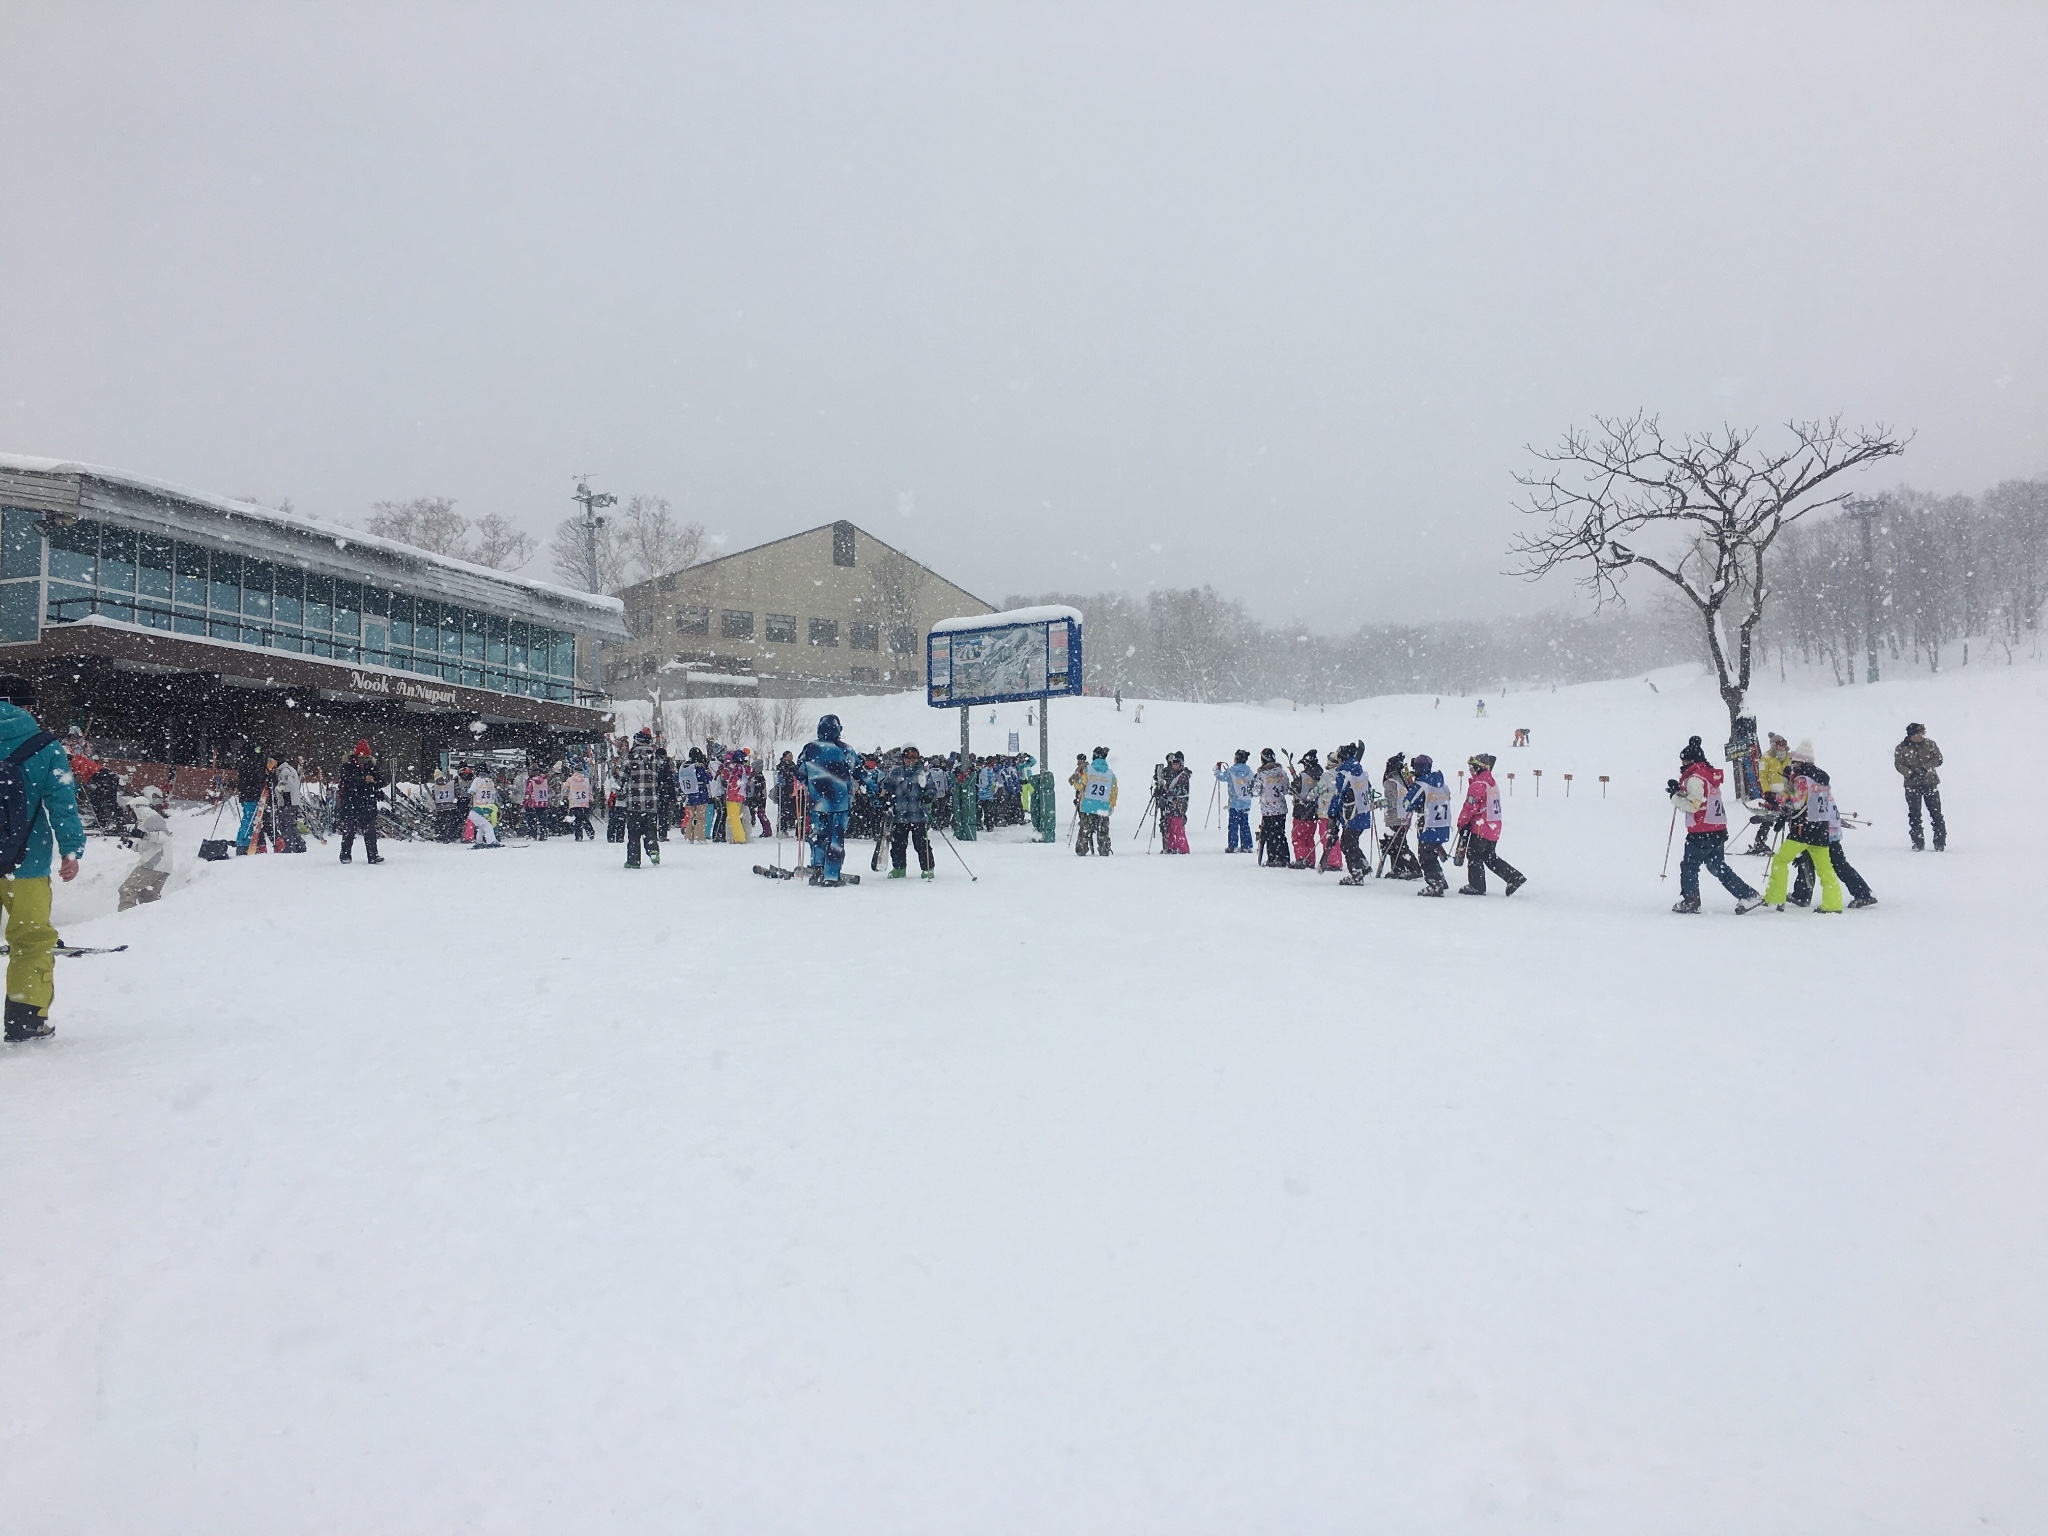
1470,890
1748,904
1351,880
24,1023
1862,901
1515,885
1434,888
927,875
1686,904
898,874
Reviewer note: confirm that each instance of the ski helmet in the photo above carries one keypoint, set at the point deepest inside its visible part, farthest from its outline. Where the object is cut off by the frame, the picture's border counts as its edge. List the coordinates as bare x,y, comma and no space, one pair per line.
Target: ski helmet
1244,754
828,728
1482,760
1423,762
1265,754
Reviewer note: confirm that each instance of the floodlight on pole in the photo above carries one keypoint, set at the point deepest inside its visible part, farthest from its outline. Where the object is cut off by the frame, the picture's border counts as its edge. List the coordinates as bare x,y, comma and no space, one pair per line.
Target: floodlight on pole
591,501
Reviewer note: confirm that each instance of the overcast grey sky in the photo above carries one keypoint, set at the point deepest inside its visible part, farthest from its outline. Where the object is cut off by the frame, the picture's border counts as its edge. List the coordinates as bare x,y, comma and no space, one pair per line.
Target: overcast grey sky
1053,296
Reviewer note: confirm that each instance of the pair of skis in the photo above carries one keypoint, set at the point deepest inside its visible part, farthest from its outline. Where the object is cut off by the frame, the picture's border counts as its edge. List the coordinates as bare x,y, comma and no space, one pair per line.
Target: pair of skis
73,951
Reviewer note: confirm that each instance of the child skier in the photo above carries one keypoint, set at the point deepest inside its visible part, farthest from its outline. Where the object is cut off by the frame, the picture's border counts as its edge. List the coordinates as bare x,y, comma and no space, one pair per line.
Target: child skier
1810,801
1351,810
1395,782
1696,794
1173,805
1237,782
1479,820
1270,785
1098,799
1429,798
576,795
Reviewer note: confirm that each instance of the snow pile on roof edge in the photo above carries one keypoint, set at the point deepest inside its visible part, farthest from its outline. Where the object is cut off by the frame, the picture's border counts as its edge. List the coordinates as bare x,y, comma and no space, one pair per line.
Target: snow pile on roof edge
1044,613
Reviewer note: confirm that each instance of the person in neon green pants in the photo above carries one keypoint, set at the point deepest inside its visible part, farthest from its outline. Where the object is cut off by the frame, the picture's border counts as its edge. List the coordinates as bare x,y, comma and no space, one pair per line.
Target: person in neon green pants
25,893
1815,824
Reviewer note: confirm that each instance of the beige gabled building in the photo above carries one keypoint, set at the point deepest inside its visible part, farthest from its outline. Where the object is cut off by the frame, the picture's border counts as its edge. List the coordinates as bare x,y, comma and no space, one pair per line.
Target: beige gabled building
832,610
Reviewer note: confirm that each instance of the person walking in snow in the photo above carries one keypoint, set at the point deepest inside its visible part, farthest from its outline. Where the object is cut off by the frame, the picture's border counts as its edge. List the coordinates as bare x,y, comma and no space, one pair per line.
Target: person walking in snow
1351,810
1173,804
1269,784
1237,784
1810,805
1860,893
1098,799
250,782
287,795
640,795
50,804
1696,795
1429,799
576,795
359,783
827,766
1917,758
1479,820
1301,792
910,793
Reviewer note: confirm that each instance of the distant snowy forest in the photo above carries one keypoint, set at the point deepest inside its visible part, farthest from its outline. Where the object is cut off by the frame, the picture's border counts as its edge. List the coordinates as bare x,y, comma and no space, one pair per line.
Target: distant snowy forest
1946,570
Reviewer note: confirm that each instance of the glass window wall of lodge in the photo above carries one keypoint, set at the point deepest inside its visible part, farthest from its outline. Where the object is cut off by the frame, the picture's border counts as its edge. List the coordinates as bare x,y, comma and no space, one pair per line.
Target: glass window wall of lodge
193,589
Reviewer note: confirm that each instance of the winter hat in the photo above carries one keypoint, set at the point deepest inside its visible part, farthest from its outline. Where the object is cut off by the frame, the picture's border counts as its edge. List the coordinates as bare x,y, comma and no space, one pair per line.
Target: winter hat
643,734
1777,740
363,747
1692,752
828,728
1265,754
1102,752
911,751
1244,754
1423,763
1916,729
1803,753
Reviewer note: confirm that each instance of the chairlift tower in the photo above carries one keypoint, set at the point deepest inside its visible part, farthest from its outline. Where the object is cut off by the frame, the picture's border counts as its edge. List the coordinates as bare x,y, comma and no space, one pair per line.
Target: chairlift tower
591,501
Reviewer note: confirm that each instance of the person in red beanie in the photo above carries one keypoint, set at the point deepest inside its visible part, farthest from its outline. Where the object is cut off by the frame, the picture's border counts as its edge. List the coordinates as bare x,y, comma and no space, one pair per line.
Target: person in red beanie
359,783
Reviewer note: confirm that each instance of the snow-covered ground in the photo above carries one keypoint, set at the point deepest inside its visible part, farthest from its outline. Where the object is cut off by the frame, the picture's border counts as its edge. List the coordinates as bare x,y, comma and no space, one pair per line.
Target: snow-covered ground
512,1192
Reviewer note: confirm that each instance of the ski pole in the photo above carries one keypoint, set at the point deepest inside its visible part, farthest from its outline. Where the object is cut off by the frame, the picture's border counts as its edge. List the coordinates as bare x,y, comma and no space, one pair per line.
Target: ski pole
971,875
1668,832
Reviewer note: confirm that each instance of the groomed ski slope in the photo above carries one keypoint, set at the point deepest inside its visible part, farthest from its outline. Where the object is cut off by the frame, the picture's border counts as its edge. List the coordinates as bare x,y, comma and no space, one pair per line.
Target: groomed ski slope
515,1193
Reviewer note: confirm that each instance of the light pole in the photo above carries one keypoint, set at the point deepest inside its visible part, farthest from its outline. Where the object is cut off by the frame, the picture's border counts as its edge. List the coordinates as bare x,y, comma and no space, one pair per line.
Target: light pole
591,501
1865,512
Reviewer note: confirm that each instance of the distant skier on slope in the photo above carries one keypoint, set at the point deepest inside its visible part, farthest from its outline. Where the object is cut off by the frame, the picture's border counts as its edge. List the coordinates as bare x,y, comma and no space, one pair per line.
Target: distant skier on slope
1696,795
1429,798
827,767
1479,820
1916,759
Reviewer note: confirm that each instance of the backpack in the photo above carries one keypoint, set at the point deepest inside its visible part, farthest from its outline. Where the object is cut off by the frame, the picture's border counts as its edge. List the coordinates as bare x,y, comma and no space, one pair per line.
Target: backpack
17,817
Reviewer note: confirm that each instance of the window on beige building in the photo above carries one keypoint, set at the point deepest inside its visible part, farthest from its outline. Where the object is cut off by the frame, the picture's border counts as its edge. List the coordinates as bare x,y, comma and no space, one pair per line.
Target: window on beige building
693,621
824,631
864,637
736,624
902,639
782,628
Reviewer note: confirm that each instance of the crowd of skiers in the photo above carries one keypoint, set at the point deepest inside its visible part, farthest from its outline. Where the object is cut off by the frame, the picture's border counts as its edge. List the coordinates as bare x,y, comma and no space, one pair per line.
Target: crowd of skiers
1313,815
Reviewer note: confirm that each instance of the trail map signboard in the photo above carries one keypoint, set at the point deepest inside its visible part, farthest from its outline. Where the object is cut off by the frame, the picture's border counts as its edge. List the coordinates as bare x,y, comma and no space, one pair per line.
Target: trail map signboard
1002,658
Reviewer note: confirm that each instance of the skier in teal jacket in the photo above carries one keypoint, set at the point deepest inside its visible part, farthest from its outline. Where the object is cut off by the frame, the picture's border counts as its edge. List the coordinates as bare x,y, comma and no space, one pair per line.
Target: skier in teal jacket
25,894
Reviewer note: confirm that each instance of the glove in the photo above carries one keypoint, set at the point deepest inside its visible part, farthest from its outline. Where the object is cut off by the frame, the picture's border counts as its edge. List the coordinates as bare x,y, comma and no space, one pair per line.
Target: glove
1671,787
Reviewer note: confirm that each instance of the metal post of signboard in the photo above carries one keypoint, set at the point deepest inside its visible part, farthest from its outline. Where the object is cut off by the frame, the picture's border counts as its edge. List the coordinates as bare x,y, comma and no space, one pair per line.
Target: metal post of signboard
1052,834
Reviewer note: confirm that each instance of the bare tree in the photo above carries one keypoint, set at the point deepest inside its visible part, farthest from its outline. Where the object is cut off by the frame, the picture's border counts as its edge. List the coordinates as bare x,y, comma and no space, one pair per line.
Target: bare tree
655,543
432,523
898,582
1701,511
496,543
569,554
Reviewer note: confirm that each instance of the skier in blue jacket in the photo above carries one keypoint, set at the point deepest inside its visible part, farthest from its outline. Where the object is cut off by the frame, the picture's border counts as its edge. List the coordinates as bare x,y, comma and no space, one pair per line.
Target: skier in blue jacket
1237,782
1432,801
1351,810
53,825
827,765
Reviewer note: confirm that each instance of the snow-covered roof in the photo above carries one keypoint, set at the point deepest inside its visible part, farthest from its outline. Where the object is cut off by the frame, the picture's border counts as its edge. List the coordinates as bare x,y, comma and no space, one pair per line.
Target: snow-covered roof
344,537
1043,613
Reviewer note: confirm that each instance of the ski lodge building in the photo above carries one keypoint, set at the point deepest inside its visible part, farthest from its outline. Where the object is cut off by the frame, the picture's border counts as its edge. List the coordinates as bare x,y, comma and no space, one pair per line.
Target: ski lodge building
169,624
827,612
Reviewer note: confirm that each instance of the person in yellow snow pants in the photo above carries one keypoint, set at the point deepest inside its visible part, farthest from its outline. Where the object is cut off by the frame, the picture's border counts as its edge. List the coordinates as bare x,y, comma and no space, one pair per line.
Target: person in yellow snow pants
1781,872
31,943
736,821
